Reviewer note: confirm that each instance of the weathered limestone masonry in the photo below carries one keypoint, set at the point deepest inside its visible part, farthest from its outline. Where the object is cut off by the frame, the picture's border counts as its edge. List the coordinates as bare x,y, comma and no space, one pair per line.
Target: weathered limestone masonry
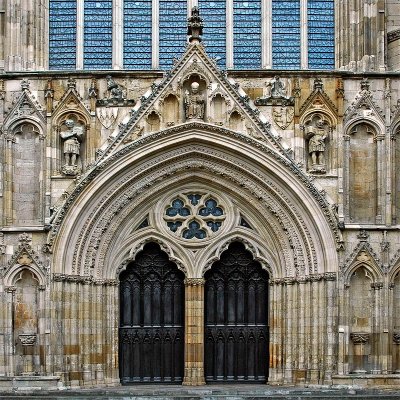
200,225
330,243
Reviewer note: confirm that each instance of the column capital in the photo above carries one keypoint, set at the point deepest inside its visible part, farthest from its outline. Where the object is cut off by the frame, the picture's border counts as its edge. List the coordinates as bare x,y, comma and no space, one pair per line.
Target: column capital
195,282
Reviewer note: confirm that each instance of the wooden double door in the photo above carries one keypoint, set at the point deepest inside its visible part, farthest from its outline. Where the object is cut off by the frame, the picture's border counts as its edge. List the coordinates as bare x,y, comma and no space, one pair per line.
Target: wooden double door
151,333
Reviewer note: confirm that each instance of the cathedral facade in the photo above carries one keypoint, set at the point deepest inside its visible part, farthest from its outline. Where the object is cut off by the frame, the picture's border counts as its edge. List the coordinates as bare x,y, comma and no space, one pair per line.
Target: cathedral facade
200,224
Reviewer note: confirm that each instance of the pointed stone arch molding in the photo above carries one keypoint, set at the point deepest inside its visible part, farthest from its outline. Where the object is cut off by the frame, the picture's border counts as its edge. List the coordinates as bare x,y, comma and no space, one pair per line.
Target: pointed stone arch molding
25,257
362,255
25,109
129,249
364,108
252,242
394,266
116,189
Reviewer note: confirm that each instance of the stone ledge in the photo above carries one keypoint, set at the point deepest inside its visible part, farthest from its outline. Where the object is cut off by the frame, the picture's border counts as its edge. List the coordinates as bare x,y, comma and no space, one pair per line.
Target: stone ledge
367,380
29,383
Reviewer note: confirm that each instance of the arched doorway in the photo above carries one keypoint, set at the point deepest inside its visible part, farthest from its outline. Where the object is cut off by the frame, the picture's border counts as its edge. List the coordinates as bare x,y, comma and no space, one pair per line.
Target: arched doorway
236,331
151,332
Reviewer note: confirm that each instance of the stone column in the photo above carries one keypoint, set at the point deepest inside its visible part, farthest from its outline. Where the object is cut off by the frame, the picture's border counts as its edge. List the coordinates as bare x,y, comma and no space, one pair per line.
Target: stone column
194,332
359,339
396,347
331,328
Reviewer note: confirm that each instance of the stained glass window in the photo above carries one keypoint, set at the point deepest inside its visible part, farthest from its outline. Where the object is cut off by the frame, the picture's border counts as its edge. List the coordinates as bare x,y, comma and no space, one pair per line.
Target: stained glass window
62,34
214,31
137,34
194,216
97,35
172,31
286,34
247,34
321,34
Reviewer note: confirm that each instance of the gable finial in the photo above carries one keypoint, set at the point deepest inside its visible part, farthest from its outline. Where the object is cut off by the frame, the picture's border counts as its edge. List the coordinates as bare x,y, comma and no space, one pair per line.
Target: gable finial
195,26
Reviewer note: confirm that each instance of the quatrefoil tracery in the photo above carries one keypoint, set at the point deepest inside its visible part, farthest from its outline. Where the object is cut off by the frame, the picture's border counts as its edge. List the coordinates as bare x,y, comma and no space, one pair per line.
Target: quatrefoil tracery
194,216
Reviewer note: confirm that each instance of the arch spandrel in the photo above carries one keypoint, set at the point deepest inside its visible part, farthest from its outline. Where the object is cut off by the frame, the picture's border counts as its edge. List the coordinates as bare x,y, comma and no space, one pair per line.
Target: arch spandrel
288,208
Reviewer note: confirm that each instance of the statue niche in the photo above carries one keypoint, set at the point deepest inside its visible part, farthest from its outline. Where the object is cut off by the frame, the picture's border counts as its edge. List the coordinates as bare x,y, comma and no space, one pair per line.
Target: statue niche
72,134
194,102
316,133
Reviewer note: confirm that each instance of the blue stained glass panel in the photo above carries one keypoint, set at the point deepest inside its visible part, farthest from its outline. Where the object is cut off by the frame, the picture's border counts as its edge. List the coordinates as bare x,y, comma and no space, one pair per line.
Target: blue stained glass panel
247,34
137,34
172,30
62,34
214,31
97,50
286,34
321,34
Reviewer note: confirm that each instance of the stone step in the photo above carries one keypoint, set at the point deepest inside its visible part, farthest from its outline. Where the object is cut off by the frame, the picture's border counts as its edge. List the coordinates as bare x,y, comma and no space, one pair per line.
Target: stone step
217,393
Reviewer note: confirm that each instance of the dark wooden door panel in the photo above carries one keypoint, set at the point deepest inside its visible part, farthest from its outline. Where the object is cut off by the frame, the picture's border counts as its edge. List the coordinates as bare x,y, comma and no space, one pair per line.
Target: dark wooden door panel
236,331
151,334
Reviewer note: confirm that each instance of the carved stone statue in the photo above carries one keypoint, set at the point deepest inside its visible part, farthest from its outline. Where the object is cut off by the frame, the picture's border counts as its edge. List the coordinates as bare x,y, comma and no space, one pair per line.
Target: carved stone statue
277,94
316,136
114,89
194,103
72,138
277,88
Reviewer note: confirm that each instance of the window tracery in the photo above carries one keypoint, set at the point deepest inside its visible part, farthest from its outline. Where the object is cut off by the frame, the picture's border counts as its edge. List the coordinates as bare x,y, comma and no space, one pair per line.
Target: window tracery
194,216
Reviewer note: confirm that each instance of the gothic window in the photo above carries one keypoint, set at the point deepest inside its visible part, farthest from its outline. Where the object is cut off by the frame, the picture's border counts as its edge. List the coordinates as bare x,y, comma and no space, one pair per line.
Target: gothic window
98,34
286,34
247,34
26,196
137,34
194,216
321,34
173,28
62,26
362,175
214,14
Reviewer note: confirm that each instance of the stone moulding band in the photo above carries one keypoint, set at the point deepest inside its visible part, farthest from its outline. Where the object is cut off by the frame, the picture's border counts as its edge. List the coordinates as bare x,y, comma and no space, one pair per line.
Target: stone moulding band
84,279
328,276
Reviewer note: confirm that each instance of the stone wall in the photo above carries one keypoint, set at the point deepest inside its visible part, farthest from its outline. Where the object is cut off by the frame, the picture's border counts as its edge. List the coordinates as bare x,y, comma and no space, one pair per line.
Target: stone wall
324,224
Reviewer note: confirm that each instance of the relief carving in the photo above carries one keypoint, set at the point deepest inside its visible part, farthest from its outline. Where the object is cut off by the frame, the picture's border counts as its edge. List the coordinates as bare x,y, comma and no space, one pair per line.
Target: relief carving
116,95
276,94
283,116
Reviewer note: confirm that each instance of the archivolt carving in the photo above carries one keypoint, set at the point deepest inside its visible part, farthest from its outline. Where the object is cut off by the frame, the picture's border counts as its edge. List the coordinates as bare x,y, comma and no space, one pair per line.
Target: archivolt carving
200,126
118,200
